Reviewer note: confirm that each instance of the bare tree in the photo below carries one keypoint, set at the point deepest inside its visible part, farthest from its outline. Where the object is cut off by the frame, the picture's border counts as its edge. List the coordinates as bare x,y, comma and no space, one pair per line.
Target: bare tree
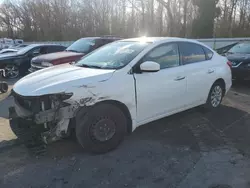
72,19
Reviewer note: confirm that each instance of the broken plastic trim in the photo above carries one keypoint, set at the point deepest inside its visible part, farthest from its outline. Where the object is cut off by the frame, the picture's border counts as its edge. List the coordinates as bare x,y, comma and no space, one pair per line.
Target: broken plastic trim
61,96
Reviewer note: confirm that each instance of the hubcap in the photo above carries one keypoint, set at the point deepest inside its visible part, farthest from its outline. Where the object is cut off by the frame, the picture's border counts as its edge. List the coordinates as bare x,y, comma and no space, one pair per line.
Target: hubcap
103,130
11,71
216,96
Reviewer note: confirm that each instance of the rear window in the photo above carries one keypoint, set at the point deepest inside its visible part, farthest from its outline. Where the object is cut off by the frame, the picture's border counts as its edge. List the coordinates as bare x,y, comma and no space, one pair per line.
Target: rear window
83,45
241,48
56,49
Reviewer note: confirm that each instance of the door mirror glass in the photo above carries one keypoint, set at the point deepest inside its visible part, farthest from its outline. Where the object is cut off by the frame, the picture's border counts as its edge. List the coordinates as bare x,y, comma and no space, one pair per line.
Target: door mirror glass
150,66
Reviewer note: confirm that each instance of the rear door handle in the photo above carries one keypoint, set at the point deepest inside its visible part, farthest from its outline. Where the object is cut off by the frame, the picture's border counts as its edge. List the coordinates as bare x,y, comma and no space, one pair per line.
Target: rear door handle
178,78
210,71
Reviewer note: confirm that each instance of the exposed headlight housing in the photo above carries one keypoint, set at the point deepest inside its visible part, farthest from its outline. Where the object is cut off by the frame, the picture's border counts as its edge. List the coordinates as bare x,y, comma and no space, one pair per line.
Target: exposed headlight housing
61,96
47,64
58,99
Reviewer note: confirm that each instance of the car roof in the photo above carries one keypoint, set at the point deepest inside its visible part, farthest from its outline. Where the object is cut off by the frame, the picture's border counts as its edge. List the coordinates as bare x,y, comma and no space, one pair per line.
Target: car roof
37,45
160,39
104,37
165,39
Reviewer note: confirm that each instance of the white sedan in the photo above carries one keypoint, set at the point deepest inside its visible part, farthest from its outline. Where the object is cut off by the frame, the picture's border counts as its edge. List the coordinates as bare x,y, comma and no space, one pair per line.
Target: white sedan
119,87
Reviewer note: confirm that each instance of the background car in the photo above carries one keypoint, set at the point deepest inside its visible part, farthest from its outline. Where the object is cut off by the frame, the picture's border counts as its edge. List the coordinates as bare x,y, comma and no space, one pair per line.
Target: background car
239,55
8,50
73,53
16,64
18,46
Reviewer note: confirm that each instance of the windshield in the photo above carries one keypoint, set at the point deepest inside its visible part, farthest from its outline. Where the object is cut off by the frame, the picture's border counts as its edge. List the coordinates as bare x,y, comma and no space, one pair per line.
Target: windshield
81,45
243,48
25,49
113,56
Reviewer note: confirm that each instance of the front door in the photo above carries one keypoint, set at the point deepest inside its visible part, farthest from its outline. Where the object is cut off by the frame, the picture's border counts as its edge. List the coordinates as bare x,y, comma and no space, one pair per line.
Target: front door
163,92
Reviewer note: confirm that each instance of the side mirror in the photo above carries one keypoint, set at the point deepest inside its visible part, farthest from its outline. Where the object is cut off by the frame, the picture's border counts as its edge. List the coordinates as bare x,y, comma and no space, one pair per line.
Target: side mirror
150,66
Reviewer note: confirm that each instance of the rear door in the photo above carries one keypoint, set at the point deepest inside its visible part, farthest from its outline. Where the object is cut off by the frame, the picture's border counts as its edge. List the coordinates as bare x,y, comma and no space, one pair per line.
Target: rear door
200,71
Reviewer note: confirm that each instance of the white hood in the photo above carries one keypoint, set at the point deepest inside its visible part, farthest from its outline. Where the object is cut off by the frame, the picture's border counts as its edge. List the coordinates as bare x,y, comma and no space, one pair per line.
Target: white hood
59,79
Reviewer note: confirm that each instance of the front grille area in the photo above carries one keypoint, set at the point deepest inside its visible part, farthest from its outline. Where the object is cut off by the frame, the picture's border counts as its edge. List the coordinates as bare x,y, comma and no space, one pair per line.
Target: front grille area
235,63
25,103
33,104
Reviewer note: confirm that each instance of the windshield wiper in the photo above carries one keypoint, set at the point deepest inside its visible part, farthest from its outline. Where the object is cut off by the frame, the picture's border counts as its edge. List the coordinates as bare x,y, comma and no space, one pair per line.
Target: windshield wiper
90,66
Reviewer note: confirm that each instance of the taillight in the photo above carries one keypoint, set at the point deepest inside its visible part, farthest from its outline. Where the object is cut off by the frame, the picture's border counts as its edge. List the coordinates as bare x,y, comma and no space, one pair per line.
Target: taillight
229,63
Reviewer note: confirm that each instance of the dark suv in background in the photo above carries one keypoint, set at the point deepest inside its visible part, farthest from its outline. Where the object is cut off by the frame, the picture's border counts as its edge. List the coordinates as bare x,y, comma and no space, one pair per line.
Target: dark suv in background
73,53
17,63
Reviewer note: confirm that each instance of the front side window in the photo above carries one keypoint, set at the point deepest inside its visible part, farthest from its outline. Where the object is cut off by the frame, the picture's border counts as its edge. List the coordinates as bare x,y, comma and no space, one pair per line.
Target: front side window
113,56
191,53
166,55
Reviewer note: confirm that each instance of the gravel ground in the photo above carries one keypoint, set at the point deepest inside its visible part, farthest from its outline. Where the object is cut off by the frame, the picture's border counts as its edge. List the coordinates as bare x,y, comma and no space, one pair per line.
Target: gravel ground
188,150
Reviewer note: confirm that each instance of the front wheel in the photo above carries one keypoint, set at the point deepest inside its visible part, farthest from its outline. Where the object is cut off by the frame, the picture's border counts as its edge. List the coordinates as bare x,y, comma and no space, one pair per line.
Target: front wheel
11,71
101,129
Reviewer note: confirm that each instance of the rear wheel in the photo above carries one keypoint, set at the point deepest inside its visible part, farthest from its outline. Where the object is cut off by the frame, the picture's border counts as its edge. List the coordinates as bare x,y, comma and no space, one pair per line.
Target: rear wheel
215,96
101,129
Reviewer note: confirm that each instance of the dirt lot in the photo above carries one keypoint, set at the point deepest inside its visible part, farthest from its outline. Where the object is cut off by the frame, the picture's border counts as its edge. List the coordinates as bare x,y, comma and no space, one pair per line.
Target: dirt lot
188,150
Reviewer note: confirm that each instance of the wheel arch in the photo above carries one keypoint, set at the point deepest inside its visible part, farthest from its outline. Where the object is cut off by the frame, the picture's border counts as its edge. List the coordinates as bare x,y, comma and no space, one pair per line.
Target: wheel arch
223,84
123,108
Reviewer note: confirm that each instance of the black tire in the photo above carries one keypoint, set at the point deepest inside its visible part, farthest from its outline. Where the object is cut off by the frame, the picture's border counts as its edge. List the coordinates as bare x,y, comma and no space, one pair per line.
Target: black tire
3,87
11,76
209,103
87,125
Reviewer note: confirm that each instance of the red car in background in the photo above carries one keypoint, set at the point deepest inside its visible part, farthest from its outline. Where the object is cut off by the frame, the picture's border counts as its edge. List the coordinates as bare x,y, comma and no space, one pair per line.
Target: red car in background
73,53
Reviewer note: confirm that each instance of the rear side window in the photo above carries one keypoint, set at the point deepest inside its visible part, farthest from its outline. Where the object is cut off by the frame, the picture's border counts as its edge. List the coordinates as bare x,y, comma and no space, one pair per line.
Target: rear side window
52,49
208,52
191,53
106,41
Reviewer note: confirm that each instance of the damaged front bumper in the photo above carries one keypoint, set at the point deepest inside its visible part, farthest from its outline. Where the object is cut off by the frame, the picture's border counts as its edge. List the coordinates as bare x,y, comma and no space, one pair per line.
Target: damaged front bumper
42,119
25,130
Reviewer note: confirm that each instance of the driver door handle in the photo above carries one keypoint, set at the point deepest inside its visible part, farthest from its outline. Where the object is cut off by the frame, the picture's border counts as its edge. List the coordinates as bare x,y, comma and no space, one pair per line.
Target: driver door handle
178,78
